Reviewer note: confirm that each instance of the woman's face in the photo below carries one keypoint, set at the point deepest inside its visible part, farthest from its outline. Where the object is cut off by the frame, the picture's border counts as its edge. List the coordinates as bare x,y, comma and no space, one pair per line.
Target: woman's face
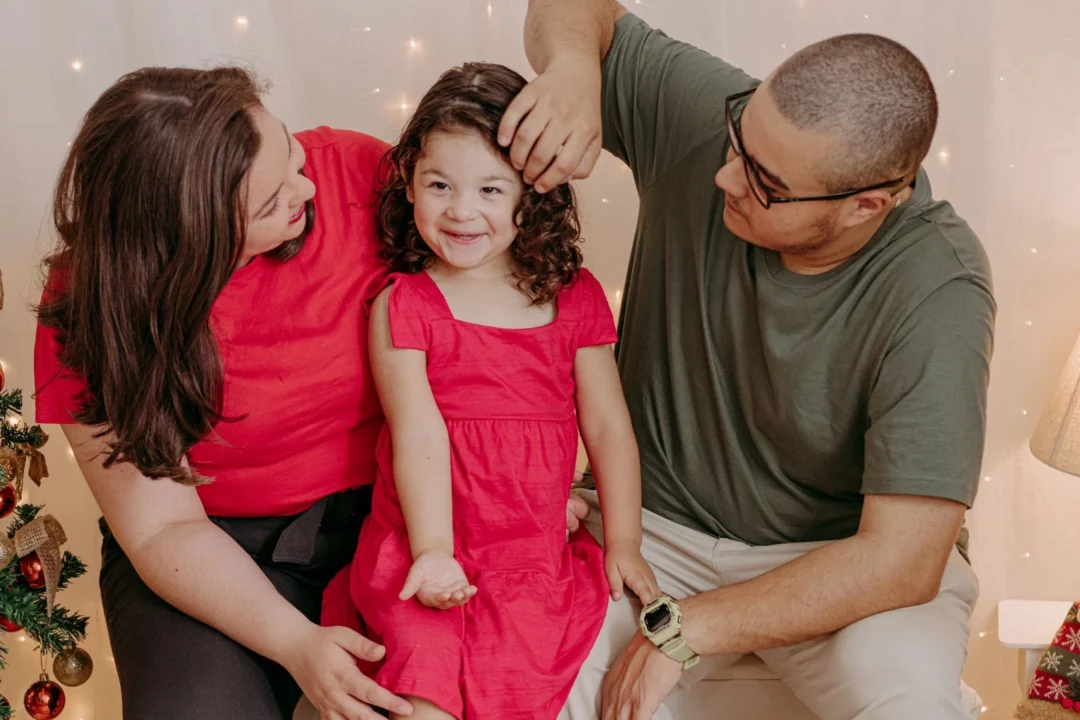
277,191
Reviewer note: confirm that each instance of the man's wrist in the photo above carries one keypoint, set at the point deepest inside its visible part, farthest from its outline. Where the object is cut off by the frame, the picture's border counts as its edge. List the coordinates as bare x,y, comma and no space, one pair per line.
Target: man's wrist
654,648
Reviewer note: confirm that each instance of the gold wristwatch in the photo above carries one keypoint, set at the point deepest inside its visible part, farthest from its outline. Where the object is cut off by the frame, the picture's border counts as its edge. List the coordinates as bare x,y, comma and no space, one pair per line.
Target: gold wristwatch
661,623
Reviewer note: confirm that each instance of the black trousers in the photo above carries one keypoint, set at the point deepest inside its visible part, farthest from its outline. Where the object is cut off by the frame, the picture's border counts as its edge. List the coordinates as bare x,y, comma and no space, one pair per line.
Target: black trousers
173,667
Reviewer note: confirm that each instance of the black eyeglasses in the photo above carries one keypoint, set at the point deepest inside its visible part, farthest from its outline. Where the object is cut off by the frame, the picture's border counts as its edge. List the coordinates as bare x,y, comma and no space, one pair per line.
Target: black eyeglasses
762,191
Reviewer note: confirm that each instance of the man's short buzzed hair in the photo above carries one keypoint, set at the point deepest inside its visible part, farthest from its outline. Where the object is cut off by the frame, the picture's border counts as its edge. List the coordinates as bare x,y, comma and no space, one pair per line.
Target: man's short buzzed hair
872,95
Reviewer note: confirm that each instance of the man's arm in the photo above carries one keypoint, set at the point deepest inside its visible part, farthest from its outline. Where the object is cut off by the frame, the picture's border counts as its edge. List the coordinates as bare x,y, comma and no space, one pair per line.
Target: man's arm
608,78
555,121
582,28
923,451
895,560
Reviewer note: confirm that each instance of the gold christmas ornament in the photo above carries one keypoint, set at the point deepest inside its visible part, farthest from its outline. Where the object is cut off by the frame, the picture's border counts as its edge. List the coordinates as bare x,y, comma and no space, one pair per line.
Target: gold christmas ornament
12,462
73,667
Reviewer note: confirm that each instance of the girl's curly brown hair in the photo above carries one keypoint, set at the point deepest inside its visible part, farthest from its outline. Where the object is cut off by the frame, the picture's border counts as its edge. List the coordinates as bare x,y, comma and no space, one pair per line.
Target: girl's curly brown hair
473,98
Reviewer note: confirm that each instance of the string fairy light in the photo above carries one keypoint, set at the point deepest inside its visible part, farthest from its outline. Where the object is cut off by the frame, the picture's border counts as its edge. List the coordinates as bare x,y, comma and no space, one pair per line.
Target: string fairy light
77,65
241,21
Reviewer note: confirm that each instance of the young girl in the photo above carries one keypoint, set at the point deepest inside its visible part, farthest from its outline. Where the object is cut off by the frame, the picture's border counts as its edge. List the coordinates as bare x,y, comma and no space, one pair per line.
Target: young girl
490,349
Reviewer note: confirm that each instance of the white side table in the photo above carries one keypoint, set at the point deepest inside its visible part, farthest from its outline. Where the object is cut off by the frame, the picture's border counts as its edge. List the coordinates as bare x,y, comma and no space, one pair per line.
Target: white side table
1029,626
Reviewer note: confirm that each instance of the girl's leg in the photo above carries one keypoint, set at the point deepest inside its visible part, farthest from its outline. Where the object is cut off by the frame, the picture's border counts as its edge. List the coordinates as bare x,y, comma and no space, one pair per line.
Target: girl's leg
423,710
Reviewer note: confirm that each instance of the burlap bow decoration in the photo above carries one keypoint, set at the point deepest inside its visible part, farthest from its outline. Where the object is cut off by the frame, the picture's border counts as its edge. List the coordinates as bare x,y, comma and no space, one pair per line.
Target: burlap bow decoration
43,535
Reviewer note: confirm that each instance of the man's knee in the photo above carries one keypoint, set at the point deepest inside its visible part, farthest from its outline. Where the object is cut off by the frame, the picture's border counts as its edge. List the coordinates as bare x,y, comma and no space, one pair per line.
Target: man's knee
903,664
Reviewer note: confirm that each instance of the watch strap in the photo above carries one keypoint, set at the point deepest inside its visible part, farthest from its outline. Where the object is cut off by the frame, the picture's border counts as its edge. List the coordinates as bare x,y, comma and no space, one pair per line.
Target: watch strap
677,649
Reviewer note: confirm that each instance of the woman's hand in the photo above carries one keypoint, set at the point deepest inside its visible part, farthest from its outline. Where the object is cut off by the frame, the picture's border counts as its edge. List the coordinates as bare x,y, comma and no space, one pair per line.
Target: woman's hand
437,581
323,663
625,566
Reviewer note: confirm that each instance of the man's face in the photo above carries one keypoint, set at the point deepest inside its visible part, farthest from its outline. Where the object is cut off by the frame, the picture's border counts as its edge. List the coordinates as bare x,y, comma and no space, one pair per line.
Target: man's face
786,159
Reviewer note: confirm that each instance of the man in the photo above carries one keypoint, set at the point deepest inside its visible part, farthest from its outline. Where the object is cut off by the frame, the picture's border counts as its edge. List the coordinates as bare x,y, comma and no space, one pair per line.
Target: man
805,347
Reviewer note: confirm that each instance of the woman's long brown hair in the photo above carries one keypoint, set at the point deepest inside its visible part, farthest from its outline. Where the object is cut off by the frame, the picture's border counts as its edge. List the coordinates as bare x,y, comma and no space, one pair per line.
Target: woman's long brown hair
473,98
150,209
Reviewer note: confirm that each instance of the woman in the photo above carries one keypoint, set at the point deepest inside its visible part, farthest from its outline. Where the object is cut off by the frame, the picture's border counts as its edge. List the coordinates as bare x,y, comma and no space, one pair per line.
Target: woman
203,344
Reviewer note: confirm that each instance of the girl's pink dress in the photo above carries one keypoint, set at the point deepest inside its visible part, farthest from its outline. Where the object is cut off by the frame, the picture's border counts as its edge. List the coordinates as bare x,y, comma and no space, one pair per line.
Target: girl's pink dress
507,396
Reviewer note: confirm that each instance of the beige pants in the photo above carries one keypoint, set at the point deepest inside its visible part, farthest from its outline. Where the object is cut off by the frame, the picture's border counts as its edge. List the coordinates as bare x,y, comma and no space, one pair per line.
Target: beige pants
899,665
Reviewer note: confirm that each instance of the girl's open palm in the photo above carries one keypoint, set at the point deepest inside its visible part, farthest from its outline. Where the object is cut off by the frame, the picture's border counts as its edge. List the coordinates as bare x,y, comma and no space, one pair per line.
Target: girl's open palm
437,581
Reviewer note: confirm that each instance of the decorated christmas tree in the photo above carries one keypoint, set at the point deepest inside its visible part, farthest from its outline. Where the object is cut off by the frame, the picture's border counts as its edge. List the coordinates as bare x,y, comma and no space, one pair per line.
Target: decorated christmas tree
33,570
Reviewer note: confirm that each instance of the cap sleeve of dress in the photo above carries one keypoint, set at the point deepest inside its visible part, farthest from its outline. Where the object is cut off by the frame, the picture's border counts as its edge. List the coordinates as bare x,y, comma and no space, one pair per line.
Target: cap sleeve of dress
410,312
587,304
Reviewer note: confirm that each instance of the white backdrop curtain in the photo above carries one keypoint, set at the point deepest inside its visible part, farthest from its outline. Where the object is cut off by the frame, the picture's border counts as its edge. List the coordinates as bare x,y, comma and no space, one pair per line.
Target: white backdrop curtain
1005,154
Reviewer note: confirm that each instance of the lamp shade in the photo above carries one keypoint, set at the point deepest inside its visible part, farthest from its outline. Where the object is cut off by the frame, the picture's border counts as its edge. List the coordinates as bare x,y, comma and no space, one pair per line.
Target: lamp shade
1057,438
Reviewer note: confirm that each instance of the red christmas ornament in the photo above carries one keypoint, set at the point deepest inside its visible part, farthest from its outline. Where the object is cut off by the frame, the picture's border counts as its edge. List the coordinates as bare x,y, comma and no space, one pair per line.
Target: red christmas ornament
32,572
9,626
8,501
2,378
44,700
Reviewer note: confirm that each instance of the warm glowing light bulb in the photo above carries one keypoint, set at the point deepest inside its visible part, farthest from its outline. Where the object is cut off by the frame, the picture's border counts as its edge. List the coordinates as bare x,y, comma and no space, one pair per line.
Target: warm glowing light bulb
241,21
76,65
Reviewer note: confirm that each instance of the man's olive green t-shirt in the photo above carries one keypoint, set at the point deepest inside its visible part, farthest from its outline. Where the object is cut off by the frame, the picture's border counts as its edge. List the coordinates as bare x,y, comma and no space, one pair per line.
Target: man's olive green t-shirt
767,404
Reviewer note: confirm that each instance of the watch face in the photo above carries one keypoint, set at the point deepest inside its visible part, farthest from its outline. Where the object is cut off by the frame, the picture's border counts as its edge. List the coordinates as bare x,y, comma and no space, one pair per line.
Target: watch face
658,618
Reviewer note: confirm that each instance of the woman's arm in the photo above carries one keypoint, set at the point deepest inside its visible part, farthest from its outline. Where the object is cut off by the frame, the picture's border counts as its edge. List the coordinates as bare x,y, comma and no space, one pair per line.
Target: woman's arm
608,435
421,465
193,565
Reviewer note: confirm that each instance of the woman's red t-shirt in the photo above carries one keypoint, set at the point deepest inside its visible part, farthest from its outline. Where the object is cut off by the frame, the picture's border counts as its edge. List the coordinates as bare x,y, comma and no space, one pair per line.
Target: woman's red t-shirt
293,341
